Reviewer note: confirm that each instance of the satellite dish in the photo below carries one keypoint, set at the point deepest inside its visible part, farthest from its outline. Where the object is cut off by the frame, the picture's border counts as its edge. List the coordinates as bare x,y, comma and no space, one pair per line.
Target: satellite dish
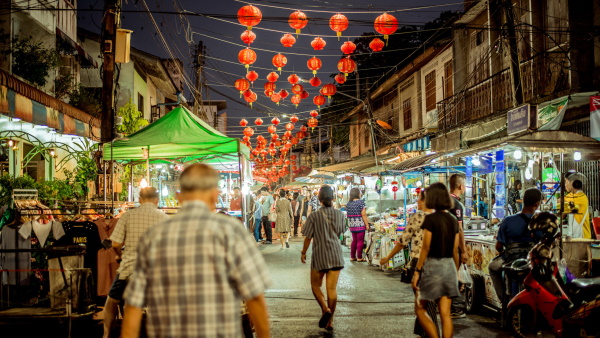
384,125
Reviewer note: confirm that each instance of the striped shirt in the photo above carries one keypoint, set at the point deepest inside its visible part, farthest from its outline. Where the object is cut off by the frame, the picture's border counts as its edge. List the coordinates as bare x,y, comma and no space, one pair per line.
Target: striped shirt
325,227
130,228
193,271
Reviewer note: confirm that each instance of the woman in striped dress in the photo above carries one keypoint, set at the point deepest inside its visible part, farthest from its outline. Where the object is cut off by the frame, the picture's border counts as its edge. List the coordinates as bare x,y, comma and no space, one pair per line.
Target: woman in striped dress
324,228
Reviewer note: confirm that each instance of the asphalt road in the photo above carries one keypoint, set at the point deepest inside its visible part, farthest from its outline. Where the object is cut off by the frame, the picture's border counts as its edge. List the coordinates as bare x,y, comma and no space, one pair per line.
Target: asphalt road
371,302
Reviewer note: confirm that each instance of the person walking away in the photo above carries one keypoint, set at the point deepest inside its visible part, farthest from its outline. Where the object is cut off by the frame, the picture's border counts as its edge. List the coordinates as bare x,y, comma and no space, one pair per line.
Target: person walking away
576,201
413,234
129,230
324,228
514,197
296,210
457,189
357,223
313,203
193,271
273,210
435,277
514,240
305,198
285,216
257,219
266,200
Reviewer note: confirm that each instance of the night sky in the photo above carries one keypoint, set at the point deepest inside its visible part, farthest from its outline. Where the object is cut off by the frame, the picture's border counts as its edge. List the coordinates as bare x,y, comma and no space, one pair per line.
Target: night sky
220,32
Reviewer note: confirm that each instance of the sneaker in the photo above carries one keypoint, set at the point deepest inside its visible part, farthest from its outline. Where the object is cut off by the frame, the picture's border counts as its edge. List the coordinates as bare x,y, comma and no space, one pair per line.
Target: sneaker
287,245
457,315
268,242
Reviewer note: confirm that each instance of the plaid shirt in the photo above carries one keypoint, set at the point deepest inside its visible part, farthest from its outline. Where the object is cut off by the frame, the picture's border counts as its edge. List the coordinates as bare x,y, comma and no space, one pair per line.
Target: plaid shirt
192,272
130,228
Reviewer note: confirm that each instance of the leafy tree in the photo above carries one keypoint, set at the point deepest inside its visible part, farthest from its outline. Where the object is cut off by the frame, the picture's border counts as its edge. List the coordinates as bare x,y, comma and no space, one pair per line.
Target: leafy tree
30,60
62,86
133,119
87,99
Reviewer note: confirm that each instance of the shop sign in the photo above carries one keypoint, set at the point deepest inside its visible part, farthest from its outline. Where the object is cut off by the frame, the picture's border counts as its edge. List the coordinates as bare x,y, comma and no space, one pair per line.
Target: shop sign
550,180
551,116
519,119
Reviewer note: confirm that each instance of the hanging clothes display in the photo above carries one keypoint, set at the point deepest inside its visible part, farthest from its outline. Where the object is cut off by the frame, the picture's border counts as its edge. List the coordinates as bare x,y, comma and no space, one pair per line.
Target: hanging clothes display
10,239
107,258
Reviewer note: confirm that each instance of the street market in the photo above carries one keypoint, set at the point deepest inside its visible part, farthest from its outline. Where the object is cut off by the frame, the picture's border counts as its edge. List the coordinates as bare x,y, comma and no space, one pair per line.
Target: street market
277,169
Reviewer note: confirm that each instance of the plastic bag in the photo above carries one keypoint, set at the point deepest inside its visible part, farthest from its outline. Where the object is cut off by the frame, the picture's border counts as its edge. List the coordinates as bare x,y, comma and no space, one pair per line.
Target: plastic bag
464,277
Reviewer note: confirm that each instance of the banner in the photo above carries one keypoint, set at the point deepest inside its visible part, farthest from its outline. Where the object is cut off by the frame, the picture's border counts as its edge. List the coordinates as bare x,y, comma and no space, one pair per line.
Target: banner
551,116
595,117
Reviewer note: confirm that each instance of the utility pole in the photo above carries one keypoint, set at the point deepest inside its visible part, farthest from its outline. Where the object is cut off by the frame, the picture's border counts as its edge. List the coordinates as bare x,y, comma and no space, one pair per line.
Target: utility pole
110,23
515,64
199,62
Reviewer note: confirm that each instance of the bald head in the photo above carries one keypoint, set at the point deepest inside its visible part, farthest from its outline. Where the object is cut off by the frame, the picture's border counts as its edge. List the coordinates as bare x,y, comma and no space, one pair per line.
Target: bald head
198,177
149,195
199,182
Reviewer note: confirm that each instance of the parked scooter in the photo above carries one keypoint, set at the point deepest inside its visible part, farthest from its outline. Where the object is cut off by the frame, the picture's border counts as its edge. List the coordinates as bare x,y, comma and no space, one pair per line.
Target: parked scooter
571,310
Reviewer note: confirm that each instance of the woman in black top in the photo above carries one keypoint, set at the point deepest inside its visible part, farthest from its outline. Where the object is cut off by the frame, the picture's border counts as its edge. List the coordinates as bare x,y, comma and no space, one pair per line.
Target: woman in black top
435,277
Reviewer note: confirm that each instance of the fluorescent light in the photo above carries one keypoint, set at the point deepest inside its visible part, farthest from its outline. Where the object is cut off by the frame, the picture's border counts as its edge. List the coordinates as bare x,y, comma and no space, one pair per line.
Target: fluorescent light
577,156
517,154
143,183
16,119
476,162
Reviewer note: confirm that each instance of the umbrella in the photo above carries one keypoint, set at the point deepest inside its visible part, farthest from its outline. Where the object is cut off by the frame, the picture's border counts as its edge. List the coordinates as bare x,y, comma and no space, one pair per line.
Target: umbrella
317,174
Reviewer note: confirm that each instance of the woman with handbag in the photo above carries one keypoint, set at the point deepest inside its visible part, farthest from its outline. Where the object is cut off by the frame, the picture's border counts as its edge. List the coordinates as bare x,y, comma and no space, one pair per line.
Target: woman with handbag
283,208
357,224
324,227
435,277
413,234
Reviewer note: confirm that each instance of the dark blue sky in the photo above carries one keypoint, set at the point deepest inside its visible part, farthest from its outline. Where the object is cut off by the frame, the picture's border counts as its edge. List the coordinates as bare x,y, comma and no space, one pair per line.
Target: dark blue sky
221,36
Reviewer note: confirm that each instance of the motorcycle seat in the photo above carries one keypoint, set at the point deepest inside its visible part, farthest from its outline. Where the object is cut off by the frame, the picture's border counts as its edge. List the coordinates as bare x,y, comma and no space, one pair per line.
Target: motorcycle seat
585,289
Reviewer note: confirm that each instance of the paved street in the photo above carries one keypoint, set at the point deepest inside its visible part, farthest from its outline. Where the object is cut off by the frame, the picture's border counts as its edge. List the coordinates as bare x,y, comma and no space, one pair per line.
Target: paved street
372,303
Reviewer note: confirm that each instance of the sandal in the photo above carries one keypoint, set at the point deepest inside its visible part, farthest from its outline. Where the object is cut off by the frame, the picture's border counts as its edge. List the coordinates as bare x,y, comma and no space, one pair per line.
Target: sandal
325,319
362,260
352,259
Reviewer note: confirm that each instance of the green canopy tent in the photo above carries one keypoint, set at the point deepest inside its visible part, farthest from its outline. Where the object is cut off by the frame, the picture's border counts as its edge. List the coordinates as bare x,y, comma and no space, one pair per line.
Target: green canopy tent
178,136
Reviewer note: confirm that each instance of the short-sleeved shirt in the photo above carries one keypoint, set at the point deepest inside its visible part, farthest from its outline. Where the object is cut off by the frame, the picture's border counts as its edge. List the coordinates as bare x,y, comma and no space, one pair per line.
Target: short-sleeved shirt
514,229
458,209
265,203
443,227
325,228
130,228
414,233
354,213
314,203
235,204
193,271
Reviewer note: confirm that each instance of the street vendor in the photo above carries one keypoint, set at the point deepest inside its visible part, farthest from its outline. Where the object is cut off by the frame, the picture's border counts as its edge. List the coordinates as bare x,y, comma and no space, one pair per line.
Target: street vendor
236,200
576,202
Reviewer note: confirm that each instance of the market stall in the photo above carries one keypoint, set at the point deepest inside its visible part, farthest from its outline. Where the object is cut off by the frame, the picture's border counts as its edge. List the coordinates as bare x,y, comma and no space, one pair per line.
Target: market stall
181,138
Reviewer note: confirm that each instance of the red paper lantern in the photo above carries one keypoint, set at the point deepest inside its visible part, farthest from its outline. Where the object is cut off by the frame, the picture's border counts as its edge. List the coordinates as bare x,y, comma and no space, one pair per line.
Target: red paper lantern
348,47
251,98
272,129
283,93
268,93
248,37
270,86
376,45
293,79
294,119
287,134
274,138
296,100
258,121
329,90
297,89
338,23
346,65
304,95
249,16
294,168
247,57
289,126
279,60
248,93
275,121
288,40
298,20
295,140
386,24
252,76
303,129
242,85
293,157
340,78
313,122
318,43
319,100
276,98
314,64
272,77
315,81
243,122
314,113
248,131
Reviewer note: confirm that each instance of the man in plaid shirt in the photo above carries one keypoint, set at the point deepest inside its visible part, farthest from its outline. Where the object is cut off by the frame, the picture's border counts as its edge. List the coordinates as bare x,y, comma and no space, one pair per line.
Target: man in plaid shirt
193,270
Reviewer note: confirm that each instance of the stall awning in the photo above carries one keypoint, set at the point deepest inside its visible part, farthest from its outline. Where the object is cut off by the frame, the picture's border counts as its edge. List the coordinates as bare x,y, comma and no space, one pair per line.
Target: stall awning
355,165
420,144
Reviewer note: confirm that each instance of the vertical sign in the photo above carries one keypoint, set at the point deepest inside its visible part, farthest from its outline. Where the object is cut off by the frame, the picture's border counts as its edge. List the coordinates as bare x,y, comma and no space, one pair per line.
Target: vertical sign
469,188
500,191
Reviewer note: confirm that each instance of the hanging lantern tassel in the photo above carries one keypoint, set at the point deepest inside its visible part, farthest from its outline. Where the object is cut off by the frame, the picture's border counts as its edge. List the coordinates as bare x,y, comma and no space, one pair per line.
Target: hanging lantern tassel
385,37
338,35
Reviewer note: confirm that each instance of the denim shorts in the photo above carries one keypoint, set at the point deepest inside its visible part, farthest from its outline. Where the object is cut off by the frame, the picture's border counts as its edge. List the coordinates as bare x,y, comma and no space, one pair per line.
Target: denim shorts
117,288
438,279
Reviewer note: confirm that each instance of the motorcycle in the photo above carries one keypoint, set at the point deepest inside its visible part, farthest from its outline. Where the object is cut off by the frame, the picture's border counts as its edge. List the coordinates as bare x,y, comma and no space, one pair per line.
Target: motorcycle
569,310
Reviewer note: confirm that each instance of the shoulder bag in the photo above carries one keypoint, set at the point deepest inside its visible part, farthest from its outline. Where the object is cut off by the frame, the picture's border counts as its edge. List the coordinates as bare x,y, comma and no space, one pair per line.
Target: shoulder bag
273,213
